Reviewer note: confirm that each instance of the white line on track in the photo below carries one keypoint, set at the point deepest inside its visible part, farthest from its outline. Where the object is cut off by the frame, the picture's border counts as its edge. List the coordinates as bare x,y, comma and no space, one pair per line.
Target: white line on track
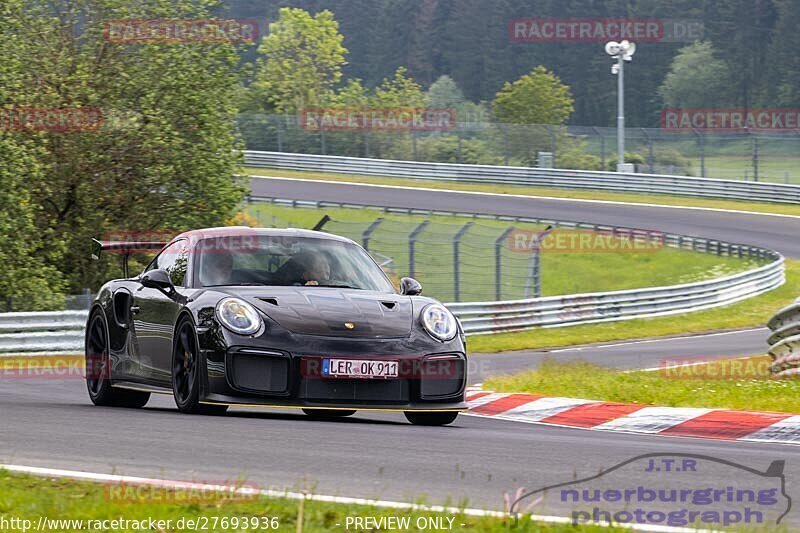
555,198
658,339
249,491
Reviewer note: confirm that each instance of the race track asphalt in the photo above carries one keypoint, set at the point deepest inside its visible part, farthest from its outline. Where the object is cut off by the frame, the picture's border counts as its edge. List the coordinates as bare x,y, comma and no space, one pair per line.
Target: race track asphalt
774,232
50,423
627,355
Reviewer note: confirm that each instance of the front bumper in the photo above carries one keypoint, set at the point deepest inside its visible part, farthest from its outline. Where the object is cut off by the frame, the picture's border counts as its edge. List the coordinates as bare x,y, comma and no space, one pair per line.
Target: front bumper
247,375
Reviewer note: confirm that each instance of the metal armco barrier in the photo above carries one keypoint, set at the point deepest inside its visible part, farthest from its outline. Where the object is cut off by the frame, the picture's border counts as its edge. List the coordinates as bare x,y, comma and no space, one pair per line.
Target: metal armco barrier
539,177
492,317
56,331
785,341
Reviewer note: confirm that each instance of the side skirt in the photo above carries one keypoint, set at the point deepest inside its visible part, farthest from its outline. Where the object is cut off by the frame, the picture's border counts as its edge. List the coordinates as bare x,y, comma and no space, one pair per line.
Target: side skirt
141,387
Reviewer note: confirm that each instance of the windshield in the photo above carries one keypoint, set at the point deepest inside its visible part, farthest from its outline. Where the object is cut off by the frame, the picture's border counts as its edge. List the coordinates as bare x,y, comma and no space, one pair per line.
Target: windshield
288,261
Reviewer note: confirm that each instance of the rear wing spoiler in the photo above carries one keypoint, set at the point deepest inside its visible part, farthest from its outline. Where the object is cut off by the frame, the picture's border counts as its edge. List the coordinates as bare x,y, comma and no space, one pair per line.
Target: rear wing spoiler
126,248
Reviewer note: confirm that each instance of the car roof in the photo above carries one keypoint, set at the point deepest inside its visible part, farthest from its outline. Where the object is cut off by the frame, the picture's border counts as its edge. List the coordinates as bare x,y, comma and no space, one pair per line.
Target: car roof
236,231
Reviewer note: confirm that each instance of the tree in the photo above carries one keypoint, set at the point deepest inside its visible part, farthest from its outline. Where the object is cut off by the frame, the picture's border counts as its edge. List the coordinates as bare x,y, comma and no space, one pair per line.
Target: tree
697,78
536,98
164,157
783,89
741,32
444,93
302,60
399,91
28,282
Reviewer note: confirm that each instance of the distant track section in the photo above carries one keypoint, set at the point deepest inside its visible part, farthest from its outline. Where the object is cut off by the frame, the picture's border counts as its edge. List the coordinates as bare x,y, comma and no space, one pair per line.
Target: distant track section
539,177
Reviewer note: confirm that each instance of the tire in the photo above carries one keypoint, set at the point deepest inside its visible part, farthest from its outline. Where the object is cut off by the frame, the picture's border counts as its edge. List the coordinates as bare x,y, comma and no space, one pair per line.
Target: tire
186,373
431,419
328,413
98,369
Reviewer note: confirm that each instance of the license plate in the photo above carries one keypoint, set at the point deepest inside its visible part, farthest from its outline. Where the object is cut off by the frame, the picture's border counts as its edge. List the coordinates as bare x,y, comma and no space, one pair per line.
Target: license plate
359,368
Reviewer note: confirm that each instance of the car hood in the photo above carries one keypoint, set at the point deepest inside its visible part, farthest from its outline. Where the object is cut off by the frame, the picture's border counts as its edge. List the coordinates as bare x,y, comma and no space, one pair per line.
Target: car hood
326,310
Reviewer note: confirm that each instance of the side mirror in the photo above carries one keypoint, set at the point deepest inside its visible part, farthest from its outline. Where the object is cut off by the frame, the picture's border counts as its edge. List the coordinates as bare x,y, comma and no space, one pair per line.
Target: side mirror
410,287
157,279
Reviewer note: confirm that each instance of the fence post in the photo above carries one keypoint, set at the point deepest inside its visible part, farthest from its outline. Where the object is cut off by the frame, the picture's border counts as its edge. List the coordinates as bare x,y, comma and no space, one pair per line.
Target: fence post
552,144
755,156
701,143
412,240
650,155
602,147
504,129
456,269
366,144
534,270
498,267
458,136
414,144
279,125
368,233
322,141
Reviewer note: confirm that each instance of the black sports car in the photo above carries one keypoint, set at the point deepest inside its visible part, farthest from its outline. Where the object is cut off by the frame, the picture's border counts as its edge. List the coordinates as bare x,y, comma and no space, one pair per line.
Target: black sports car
277,318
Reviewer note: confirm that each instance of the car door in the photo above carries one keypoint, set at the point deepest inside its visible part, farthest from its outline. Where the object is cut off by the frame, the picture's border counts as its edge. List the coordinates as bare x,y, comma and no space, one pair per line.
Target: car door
155,314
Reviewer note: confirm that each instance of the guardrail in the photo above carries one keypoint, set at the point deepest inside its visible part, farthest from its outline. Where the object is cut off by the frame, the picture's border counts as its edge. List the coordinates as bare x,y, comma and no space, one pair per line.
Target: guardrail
50,332
785,341
493,317
539,177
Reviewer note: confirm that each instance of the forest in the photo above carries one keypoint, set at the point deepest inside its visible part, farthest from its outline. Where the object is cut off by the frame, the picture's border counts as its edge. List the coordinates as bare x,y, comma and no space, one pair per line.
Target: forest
755,45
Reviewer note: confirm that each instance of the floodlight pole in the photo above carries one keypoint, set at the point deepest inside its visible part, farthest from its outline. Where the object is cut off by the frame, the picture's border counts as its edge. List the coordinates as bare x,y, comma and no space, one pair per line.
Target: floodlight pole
620,111
622,52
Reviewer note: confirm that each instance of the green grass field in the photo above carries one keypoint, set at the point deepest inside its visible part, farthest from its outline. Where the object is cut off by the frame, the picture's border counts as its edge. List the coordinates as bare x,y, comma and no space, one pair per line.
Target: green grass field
771,169
566,268
732,384
24,497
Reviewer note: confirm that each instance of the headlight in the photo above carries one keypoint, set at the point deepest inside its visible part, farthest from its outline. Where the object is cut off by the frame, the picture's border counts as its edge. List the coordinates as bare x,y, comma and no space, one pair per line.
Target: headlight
439,322
238,316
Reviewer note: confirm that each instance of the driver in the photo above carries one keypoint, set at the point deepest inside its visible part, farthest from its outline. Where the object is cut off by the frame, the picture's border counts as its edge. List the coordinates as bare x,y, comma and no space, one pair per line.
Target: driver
216,268
316,268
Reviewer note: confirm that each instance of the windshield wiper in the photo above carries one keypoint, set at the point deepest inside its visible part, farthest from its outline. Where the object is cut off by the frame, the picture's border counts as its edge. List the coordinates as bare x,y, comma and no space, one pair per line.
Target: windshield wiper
335,286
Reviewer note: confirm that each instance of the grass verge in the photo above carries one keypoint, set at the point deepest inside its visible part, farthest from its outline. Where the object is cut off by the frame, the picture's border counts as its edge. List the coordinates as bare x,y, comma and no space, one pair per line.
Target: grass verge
748,313
29,498
725,384
661,199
